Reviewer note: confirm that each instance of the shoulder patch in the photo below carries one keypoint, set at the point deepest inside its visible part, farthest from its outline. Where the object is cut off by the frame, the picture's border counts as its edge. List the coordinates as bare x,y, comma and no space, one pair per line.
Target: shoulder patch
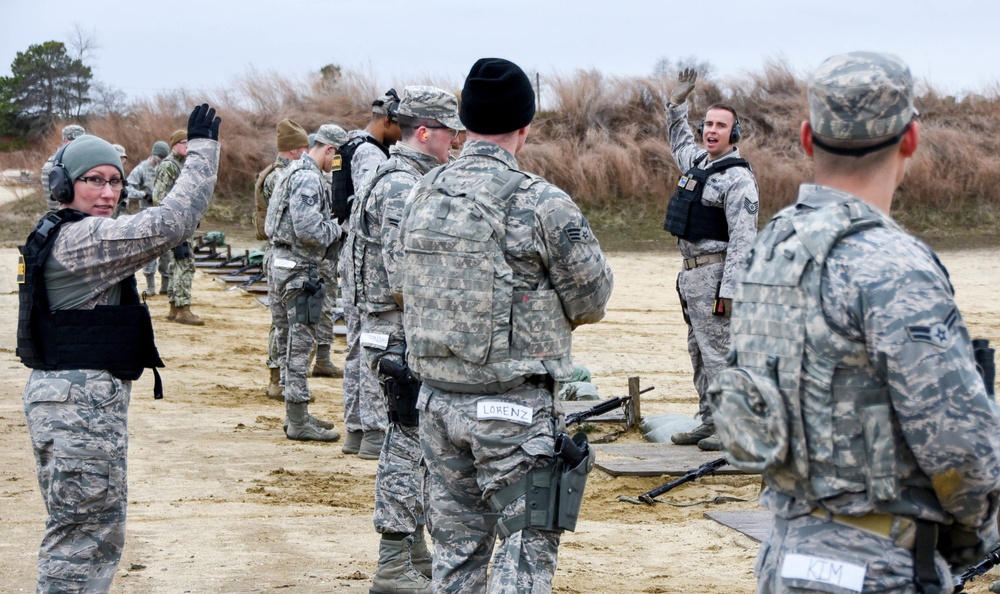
939,334
580,234
750,206
309,199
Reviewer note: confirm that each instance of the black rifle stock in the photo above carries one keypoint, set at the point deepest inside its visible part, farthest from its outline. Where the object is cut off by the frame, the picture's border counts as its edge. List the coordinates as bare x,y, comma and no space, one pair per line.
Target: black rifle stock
991,560
600,409
693,474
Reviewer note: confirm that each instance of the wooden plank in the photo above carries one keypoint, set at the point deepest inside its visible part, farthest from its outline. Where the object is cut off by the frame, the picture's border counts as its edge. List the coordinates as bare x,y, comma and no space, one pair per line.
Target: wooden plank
655,459
753,523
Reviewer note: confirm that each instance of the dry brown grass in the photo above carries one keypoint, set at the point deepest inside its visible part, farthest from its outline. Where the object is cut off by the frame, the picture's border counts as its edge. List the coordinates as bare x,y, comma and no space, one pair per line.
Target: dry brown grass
603,142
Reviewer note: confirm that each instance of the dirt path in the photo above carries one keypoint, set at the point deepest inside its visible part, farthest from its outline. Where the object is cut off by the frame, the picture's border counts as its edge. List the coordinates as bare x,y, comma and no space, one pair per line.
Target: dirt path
220,501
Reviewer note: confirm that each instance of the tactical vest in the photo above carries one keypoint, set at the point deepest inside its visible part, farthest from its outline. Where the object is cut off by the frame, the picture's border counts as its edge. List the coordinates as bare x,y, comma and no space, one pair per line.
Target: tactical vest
466,326
279,204
690,219
260,212
115,338
343,183
801,403
371,287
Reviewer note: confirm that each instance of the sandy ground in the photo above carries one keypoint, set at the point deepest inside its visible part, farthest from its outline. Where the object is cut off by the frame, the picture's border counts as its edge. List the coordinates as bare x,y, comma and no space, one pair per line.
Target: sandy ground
220,501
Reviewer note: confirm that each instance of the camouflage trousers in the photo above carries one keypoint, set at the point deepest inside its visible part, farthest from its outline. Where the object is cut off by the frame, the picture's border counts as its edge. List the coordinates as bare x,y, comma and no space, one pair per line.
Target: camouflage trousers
810,554
78,421
295,340
708,334
468,459
272,336
181,279
399,499
324,330
363,406
164,265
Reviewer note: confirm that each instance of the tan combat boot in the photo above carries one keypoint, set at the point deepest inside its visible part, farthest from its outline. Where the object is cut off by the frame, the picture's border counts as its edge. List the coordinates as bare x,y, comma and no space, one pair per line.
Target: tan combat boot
173,312
186,316
395,573
324,367
298,426
275,391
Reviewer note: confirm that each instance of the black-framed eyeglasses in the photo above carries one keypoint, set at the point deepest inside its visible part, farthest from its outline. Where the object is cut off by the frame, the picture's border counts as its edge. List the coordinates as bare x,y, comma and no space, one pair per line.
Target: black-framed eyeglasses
99,182
454,132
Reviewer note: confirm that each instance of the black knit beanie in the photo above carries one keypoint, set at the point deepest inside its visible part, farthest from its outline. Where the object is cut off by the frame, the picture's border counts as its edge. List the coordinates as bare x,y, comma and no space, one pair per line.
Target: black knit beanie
497,97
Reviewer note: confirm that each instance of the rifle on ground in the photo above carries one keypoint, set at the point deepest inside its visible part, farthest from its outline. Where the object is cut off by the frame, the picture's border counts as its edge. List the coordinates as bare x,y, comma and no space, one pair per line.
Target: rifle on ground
225,263
991,560
649,497
600,409
256,277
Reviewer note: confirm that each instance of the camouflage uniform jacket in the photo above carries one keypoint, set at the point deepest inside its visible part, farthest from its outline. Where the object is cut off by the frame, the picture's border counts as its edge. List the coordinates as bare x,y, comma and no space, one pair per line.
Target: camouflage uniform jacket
90,257
300,212
375,225
263,188
551,252
141,179
166,174
887,300
734,189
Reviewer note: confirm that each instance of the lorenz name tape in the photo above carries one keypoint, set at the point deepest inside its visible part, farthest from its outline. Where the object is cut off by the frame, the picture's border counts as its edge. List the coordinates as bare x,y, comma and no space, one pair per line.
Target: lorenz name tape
503,411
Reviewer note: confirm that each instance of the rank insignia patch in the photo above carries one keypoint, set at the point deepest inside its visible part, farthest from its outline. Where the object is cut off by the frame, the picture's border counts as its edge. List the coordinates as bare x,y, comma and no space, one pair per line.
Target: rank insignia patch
940,334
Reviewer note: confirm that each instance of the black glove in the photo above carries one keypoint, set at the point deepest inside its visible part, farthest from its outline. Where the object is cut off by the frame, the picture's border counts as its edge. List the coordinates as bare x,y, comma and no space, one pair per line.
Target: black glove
203,123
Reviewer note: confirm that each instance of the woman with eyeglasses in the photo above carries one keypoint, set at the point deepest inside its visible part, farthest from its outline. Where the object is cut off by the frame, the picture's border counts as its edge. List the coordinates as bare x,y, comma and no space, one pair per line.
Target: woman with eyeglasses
85,334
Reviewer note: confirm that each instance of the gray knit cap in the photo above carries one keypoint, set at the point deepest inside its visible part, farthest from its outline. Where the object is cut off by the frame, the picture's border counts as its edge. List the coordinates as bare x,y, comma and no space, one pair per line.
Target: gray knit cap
86,152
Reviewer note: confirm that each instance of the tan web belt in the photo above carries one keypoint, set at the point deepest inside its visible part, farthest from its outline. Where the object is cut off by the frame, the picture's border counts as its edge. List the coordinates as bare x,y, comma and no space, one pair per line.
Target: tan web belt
896,528
697,261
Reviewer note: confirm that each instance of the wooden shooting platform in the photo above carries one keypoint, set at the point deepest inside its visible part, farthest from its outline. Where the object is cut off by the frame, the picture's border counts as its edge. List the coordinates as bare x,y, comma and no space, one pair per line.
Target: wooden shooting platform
655,459
754,524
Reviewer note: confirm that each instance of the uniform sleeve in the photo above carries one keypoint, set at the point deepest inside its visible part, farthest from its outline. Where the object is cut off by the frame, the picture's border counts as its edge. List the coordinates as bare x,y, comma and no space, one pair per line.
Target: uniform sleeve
166,175
577,268
365,161
919,344
741,206
305,207
682,144
104,251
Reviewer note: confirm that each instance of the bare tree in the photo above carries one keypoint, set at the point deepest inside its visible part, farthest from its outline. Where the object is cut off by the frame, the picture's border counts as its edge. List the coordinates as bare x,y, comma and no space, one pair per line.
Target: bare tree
668,68
83,47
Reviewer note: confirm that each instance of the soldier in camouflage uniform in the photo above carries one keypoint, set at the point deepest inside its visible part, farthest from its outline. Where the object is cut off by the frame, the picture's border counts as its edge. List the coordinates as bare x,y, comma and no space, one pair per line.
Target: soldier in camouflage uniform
302,234
292,142
182,268
77,416
713,234
854,388
428,118
68,133
489,339
364,413
141,180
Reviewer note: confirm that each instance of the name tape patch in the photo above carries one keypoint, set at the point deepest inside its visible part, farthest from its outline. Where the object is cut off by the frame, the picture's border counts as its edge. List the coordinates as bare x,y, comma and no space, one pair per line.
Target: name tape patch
375,341
503,411
283,263
826,571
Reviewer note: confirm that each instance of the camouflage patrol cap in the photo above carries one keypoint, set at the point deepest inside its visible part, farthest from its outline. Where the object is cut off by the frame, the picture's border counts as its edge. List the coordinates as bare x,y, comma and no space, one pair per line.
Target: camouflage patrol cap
431,103
331,135
121,150
72,131
386,105
861,99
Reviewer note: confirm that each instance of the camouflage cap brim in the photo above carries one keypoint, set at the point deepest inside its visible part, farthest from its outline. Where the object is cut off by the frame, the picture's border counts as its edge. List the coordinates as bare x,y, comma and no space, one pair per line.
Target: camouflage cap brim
431,103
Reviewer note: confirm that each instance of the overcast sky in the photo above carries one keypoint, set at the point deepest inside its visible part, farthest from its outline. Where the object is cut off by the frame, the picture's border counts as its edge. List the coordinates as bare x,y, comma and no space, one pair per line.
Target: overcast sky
146,47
